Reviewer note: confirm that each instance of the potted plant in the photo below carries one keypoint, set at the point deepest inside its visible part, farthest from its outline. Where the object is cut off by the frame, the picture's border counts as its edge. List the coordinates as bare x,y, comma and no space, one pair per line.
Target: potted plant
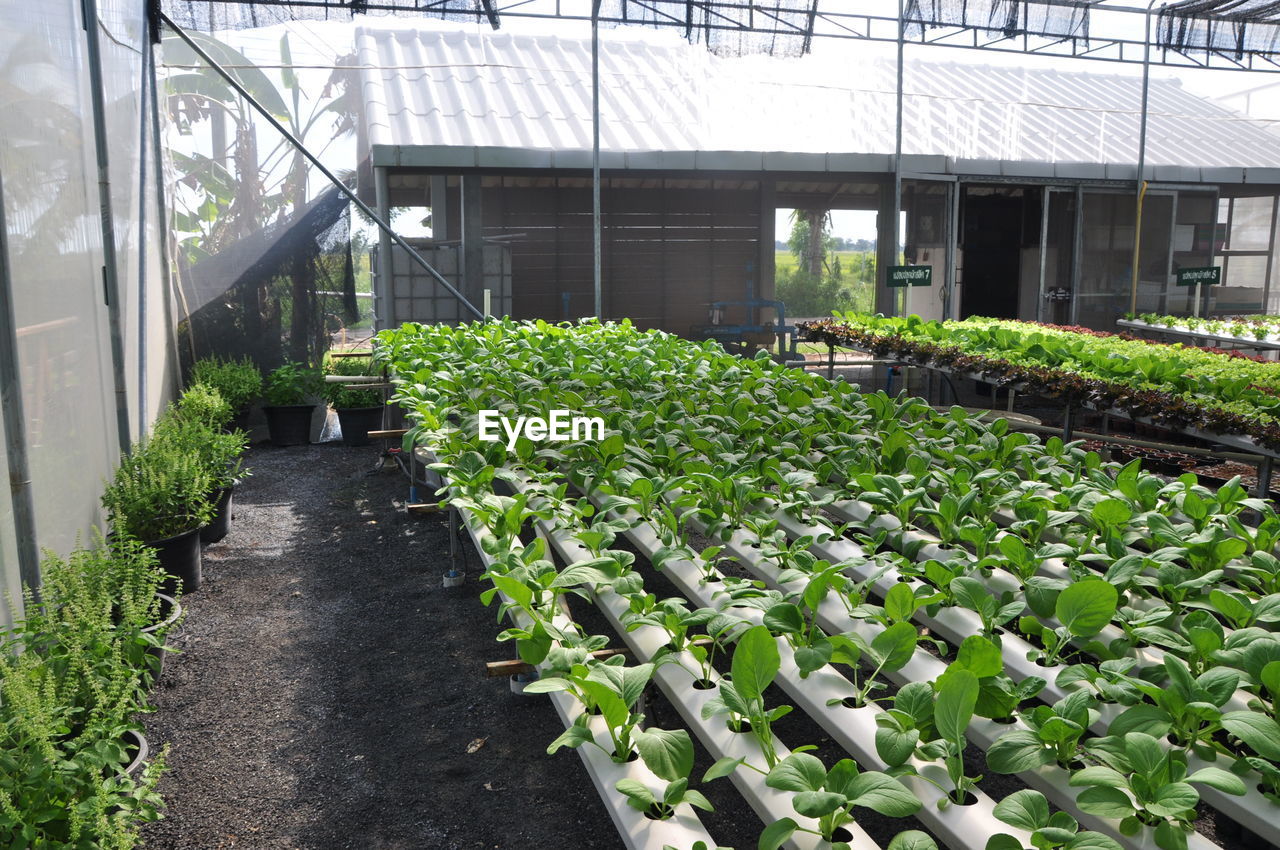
160,496
76,763
238,382
359,409
106,600
198,420
290,392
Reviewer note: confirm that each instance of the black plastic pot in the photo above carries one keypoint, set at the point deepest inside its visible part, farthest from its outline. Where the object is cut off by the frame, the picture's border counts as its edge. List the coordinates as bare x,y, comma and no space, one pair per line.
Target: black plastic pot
239,422
221,522
179,556
289,424
357,422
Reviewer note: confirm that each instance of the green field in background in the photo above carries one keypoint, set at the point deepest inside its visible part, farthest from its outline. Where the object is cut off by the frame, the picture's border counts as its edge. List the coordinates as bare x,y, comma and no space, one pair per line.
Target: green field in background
787,260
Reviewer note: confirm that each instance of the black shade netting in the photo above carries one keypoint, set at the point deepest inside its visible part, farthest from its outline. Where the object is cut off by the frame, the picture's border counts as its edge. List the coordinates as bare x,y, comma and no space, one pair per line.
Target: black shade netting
284,293
726,27
1005,17
1234,27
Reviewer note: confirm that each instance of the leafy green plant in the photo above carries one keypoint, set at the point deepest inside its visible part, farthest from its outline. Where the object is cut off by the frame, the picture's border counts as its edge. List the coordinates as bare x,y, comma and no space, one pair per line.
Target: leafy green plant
754,666
1110,679
798,622
1029,810
931,726
609,689
67,700
1083,608
994,611
830,796
184,428
676,792
291,384
203,404
1144,783
238,381
159,490
1053,734
887,652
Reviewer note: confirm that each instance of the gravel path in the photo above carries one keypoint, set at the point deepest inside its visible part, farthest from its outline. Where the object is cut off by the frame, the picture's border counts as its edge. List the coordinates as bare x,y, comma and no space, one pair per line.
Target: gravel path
328,686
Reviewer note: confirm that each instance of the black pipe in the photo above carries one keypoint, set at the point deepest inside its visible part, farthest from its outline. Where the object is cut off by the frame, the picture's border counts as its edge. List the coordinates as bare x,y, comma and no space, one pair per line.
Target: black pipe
15,424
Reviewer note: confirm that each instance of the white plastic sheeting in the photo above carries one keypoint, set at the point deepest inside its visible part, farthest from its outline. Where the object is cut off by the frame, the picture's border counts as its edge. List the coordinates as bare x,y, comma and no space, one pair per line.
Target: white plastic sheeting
49,172
439,87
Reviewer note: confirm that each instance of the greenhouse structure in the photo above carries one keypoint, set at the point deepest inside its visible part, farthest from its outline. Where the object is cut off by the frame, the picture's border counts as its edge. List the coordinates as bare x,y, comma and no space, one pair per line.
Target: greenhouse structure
646,424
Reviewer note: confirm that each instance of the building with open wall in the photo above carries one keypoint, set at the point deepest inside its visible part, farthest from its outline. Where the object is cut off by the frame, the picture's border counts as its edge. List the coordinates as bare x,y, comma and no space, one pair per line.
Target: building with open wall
1018,183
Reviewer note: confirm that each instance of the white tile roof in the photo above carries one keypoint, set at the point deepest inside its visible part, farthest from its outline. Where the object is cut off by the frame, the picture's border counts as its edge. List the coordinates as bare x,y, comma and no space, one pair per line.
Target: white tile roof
468,97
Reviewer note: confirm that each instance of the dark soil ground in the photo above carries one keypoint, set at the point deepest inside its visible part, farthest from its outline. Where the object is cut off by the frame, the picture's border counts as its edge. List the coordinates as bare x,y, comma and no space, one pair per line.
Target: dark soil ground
328,686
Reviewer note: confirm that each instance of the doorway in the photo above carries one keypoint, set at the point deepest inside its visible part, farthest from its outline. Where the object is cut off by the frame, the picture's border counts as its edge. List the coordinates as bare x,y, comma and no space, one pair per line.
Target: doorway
992,239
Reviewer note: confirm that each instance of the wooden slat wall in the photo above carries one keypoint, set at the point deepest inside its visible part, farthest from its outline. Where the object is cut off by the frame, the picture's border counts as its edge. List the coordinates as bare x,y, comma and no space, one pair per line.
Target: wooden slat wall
667,252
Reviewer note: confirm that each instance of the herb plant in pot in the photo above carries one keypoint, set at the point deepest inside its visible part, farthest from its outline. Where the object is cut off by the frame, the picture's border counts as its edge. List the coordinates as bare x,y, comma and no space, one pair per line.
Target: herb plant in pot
104,602
290,392
219,454
238,382
199,421
359,410
160,496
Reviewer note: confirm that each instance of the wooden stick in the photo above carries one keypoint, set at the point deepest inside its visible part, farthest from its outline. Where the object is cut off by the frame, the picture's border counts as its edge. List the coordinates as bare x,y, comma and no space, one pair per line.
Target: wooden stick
386,435
495,669
424,508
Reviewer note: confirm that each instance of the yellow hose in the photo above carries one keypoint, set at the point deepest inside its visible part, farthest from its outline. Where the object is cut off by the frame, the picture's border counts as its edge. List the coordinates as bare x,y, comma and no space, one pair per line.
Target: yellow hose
1137,247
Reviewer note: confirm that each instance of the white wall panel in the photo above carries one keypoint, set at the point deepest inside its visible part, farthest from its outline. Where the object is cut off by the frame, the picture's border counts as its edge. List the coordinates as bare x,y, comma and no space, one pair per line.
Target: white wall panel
52,217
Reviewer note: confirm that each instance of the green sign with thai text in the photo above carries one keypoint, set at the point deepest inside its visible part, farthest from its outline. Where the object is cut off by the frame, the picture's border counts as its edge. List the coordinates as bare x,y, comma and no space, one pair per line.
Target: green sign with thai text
1205,276
910,276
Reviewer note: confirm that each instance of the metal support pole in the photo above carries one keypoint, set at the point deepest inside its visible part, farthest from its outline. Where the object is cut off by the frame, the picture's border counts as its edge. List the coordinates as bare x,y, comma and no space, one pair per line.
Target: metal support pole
15,424
147,57
595,157
953,236
110,271
1141,184
1068,423
1077,255
142,242
320,166
166,269
383,314
831,361
897,161
1264,477
1045,195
